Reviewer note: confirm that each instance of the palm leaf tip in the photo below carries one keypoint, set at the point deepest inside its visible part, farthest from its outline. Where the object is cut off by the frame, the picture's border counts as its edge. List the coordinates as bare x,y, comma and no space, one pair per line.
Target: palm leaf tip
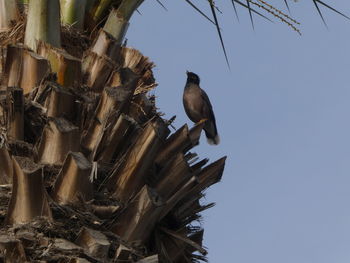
319,12
253,10
287,5
332,8
235,9
200,11
212,7
162,5
250,13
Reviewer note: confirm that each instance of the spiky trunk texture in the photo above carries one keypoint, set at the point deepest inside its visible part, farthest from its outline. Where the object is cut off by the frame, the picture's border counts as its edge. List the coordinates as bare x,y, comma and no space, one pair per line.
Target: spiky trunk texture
93,173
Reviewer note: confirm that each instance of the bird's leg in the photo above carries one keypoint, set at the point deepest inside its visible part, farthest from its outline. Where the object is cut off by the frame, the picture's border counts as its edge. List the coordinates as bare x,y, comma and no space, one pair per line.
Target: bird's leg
201,121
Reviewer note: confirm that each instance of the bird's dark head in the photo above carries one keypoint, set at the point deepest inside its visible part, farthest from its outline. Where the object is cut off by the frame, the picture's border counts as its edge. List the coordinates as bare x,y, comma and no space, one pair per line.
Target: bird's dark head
192,78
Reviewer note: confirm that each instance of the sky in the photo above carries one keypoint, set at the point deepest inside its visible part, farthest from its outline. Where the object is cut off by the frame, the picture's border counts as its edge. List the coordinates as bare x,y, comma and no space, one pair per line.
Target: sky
282,112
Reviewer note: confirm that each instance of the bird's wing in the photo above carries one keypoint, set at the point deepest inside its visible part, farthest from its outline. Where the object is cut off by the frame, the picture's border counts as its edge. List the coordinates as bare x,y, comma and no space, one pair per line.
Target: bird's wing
210,126
208,109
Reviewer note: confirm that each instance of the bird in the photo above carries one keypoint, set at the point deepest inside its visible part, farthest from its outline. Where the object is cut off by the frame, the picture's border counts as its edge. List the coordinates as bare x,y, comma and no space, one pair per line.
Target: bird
198,107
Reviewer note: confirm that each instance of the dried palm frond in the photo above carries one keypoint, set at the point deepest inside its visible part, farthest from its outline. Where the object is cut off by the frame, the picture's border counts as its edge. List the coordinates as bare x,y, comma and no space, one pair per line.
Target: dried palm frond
141,65
267,7
279,14
14,35
74,41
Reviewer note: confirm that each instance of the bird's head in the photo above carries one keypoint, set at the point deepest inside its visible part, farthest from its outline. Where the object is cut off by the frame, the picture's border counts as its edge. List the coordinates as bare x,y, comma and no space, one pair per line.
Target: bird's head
192,78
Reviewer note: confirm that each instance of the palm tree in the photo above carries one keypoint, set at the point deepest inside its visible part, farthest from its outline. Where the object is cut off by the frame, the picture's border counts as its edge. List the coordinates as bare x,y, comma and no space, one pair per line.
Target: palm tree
89,171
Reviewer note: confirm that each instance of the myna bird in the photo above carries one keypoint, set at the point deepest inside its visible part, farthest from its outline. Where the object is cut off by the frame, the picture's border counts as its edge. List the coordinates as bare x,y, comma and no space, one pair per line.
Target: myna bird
198,107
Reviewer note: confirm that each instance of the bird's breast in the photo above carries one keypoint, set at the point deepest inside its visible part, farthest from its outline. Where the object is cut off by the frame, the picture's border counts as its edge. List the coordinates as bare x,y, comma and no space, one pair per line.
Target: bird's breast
193,104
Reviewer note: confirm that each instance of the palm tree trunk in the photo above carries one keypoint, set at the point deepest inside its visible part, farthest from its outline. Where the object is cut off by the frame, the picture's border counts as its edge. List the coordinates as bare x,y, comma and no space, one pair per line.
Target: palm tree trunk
85,131
73,12
118,20
8,14
29,198
15,116
43,23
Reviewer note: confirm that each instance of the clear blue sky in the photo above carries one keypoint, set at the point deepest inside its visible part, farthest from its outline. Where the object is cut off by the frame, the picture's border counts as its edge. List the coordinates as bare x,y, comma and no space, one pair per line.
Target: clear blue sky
283,116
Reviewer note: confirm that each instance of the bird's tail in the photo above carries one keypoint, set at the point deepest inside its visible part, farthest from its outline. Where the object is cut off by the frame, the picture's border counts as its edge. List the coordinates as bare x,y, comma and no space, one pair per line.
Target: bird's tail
214,141
211,133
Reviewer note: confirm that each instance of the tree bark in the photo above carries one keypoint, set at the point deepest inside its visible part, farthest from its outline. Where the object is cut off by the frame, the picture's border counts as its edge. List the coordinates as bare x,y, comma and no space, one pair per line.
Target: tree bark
34,69
179,142
43,23
6,166
106,45
173,177
59,102
13,66
116,25
73,183
29,198
66,67
59,137
210,175
15,115
138,220
94,242
73,12
8,14
130,177
96,70
113,101
115,139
